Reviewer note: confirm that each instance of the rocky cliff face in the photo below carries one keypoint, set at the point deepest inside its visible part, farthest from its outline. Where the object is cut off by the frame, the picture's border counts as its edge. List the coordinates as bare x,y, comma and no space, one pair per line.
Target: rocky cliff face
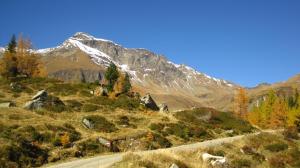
83,57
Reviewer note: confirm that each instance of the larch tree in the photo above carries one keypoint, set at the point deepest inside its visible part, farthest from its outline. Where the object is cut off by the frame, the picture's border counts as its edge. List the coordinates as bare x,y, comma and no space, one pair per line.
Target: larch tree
29,63
278,117
241,103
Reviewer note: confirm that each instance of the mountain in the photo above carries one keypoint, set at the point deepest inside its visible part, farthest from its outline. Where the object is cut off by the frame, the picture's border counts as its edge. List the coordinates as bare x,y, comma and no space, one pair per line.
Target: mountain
83,57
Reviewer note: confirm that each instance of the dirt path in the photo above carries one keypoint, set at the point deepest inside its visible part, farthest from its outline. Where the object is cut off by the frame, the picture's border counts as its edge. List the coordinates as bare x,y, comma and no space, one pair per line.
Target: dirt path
108,160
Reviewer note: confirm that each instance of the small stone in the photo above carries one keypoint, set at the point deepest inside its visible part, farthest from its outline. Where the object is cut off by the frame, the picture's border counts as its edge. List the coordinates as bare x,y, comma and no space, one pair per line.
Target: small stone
7,105
174,166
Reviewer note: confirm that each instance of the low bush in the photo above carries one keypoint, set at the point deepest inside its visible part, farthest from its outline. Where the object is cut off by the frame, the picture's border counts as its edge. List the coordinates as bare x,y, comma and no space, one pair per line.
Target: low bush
240,163
122,101
276,147
74,105
277,161
157,127
91,147
216,152
101,124
54,104
160,141
22,154
178,129
290,133
89,107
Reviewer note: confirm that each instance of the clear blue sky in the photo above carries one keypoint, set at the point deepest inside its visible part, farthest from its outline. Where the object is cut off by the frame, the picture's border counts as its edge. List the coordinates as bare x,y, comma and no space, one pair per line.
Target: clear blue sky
244,41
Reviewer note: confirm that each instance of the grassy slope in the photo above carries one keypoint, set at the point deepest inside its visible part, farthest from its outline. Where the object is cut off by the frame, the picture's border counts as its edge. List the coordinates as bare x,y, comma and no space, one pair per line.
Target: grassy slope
45,129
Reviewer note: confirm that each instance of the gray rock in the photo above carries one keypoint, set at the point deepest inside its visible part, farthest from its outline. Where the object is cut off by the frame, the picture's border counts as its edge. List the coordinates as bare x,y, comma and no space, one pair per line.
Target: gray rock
215,161
88,124
7,104
174,166
34,105
42,100
148,102
42,95
163,108
104,142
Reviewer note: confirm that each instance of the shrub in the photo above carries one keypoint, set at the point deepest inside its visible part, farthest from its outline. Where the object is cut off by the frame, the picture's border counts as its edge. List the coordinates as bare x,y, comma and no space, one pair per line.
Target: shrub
276,147
54,104
158,127
101,124
277,161
90,147
240,163
291,133
178,129
89,107
216,152
23,153
74,105
65,139
161,141
123,120
125,102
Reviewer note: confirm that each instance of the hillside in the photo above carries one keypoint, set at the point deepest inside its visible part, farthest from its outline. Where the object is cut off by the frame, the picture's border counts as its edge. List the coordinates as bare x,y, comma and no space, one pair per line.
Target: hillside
84,123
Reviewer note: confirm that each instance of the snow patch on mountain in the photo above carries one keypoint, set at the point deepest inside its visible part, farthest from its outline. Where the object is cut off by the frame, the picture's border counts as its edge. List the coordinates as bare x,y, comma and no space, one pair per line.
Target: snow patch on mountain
97,56
2,49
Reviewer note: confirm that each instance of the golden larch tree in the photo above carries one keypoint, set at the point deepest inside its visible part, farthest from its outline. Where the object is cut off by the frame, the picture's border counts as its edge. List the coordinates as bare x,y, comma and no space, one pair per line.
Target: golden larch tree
241,103
278,118
28,62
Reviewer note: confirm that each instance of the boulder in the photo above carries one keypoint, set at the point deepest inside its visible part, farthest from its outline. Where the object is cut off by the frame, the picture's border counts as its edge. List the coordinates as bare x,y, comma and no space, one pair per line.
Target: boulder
42,100
148,102
174,166
7,104
214,161
163,108
88,124
41,95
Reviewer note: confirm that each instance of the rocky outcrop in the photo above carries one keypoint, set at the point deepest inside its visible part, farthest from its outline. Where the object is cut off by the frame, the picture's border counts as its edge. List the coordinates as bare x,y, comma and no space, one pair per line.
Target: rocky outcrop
148,102
43,100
